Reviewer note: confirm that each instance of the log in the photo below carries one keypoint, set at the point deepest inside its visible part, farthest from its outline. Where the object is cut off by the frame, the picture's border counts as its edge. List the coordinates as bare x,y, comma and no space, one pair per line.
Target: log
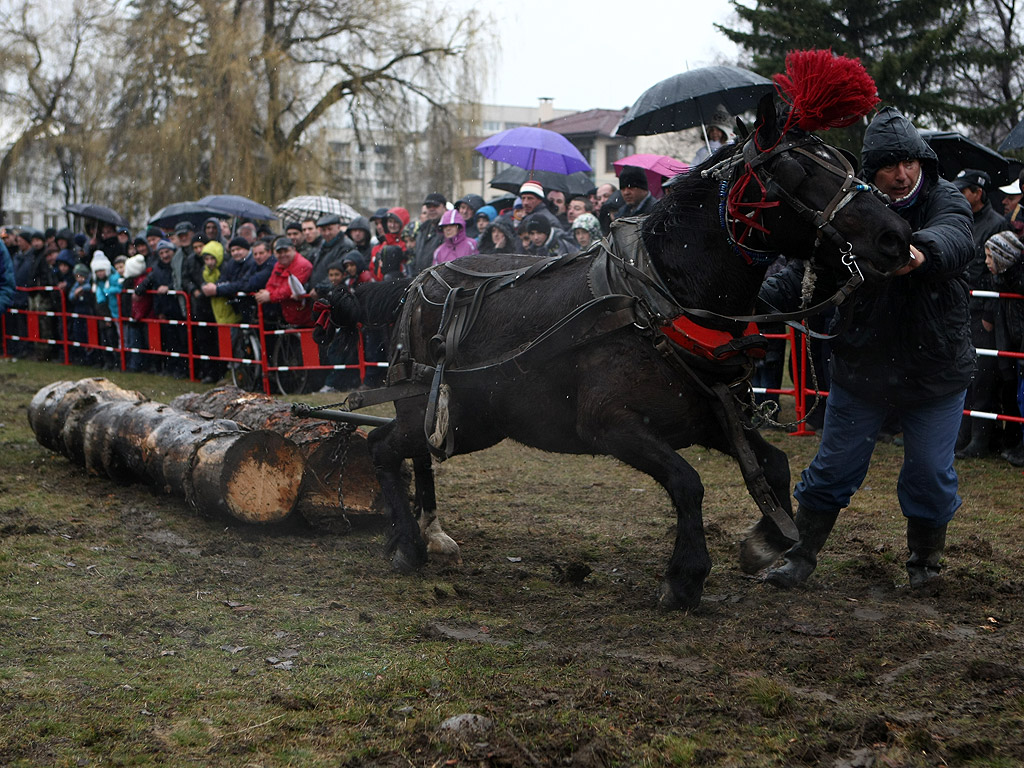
340,485
215,465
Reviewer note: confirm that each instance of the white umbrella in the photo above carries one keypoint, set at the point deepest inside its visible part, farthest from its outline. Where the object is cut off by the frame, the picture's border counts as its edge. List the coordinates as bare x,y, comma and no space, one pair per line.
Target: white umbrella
315,206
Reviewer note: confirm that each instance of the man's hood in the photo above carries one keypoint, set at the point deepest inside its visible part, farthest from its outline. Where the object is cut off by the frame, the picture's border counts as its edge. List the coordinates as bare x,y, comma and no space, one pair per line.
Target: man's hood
890,138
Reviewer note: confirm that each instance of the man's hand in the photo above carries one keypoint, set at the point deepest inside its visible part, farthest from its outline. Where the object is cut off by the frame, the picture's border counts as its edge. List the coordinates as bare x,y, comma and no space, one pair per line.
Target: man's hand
917,258
262,297
209,289
163,289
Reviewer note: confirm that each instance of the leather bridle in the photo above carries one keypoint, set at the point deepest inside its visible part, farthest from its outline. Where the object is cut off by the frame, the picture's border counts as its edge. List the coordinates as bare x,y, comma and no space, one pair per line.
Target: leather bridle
750,164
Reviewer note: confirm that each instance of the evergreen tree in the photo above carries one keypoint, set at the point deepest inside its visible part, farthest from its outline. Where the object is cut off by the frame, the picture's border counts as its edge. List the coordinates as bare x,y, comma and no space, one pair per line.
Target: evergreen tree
910,47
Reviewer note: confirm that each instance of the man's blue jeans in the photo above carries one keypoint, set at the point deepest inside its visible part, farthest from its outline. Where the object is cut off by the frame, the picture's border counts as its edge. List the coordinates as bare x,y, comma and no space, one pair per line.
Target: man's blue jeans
927,487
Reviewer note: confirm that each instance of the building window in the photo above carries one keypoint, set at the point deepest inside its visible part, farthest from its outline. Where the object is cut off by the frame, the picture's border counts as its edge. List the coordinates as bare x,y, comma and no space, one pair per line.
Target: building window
615,152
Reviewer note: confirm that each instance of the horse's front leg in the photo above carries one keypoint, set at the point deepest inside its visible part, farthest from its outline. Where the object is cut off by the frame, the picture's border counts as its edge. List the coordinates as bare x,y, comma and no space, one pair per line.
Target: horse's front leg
764,543
439,543
389,446
631,441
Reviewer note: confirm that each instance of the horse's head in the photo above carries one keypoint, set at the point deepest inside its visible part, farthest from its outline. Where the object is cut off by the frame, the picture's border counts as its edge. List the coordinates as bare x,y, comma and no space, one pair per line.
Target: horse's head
789,192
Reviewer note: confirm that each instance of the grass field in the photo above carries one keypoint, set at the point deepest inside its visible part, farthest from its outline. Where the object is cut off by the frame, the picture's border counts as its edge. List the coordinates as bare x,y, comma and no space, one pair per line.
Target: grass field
134,633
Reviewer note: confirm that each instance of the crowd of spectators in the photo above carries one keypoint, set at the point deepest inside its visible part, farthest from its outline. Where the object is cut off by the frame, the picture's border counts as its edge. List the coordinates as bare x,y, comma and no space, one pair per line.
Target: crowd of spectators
146,286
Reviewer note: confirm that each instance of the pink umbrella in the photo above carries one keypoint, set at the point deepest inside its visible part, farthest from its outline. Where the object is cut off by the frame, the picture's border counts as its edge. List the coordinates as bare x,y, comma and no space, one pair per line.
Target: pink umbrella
658,168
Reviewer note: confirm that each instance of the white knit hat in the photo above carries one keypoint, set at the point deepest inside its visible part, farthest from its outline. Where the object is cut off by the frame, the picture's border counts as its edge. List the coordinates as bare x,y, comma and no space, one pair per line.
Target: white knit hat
100,261
135,266
532,188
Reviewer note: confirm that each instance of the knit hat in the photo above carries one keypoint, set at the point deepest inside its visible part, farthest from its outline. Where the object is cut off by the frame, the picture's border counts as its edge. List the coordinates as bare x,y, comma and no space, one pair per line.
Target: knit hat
135,266
154,232
588,222
632,176
100,261
1005,249
535,223
164,244
81,269
240,242
531,188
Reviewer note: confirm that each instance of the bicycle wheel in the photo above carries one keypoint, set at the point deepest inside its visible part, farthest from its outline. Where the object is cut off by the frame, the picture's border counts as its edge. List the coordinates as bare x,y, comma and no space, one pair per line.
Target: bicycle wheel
288,354
247,375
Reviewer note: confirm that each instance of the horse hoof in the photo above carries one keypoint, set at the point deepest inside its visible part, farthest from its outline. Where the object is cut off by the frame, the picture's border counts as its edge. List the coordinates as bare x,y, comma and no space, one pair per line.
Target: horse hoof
668,600
443,547
757,553
402,564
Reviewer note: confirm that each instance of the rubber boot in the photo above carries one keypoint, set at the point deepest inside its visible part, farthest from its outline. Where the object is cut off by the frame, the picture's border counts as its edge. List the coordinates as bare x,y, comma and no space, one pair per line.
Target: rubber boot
801,559
926,544
981,440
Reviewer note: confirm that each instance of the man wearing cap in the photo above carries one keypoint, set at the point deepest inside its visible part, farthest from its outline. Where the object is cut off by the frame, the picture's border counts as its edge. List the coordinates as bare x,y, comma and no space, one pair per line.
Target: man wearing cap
633,186
975,436
295,311
905,348
429,236
335,243
1011,198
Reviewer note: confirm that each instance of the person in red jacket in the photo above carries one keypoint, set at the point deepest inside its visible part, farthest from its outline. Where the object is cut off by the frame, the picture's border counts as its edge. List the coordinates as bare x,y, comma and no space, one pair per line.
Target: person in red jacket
288,293
394,222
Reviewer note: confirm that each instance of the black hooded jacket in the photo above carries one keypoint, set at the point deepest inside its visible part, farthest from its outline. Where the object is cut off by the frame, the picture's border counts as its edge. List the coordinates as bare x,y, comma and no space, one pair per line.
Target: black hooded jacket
907,339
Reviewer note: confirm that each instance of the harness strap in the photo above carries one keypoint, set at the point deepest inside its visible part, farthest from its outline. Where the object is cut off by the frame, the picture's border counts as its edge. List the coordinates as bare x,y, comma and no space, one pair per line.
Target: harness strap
727,412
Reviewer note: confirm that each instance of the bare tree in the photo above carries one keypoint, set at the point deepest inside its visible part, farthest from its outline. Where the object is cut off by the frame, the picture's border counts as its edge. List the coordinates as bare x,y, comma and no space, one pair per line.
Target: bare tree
221,96
43,56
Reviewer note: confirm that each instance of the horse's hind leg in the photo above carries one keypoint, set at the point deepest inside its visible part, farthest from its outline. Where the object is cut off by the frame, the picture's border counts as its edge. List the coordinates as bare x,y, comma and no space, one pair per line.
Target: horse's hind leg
764,542
388,446
439,543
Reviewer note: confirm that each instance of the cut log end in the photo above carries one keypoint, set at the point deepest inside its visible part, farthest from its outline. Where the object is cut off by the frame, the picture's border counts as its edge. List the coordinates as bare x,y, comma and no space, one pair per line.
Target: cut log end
260,477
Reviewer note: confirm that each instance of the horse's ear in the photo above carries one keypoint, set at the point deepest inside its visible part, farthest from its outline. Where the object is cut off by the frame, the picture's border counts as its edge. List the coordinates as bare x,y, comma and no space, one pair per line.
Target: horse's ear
767,125
741,129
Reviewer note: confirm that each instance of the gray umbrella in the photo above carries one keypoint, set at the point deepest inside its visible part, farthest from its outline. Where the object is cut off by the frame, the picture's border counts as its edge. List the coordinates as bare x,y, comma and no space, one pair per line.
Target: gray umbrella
690,99
1015,140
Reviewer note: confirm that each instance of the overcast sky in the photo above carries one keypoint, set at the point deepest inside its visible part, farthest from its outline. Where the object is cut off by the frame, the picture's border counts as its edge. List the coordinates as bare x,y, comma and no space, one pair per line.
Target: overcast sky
602,59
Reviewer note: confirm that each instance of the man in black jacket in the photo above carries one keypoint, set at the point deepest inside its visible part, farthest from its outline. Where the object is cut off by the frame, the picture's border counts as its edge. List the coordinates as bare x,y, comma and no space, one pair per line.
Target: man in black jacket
907,348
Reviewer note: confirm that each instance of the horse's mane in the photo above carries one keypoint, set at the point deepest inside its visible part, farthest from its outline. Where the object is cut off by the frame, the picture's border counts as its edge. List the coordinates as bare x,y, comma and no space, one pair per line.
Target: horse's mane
379,302
685,208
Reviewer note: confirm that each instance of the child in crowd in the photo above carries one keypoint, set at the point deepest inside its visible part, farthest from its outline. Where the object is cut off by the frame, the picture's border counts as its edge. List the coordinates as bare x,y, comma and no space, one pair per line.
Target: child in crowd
135,307
82,302
107,284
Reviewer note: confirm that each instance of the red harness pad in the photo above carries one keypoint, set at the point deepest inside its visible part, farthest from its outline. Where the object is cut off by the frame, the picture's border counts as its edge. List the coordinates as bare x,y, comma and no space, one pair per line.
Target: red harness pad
709,343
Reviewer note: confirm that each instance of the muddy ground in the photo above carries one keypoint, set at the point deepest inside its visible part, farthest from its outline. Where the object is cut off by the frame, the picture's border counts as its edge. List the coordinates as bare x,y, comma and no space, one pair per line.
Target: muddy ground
136,633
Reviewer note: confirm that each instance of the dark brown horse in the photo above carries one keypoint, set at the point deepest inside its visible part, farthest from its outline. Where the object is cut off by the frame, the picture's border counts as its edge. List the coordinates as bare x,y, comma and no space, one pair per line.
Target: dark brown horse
621,392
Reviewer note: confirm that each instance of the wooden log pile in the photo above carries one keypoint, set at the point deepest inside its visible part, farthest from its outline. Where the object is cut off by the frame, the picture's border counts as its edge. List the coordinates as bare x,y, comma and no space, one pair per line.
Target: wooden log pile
216,465
340,483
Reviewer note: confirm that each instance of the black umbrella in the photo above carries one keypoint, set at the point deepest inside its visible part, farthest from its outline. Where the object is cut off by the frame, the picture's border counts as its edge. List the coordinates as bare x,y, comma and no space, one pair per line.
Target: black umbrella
511,179
1015,140
98,212
236,205
690,99
192,212
957,152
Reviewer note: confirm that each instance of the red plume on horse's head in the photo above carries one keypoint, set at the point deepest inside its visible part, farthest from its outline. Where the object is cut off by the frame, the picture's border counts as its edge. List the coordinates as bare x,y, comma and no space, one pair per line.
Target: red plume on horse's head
824,90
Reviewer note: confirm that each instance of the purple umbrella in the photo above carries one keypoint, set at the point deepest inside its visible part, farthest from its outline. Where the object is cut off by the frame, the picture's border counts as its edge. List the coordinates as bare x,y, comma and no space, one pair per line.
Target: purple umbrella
535,149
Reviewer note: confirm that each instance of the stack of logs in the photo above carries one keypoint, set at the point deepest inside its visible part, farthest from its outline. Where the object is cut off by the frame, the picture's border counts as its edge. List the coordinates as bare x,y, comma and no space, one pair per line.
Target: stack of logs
226,451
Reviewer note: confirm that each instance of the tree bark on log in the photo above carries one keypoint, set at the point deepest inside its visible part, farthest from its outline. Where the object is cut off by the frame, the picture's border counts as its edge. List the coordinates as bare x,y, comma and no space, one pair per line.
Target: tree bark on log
215,465
340,484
